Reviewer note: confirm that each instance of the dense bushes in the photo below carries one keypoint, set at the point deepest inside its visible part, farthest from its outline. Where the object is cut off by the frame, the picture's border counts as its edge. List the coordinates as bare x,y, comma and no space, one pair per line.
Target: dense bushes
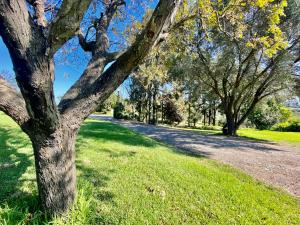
170,111
289,126
269,113
108,105
119,111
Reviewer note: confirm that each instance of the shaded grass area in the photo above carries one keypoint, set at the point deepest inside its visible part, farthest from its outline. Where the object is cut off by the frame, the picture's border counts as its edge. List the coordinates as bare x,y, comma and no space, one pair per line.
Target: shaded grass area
126,178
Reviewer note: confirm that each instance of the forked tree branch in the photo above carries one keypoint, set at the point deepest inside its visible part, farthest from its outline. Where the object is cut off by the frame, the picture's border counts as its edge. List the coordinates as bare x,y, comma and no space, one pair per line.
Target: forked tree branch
98,48
66,23
85,45
83,104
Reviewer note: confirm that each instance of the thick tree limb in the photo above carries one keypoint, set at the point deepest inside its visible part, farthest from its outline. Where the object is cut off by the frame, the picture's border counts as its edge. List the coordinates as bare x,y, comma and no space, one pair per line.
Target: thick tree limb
34,70
100,56
83,104
66,23
12,103
112,56
16,27
39,12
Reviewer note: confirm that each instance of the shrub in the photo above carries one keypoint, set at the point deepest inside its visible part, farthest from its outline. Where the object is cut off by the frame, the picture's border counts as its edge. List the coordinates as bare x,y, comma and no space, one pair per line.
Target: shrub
109,104
171,112
289,126
268,114
119,111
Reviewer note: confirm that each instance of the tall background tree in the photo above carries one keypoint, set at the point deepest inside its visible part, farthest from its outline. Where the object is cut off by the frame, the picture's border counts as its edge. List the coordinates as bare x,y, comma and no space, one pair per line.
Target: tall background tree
33,36
242,51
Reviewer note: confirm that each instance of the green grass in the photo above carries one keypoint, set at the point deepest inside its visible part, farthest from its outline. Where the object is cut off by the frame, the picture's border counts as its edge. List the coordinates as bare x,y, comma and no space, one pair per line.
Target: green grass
126,178
292,138
276,136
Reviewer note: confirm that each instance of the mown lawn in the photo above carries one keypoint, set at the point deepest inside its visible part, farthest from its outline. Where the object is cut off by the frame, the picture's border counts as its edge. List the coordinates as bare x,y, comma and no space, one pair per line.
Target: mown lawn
126,178
268,135
292,138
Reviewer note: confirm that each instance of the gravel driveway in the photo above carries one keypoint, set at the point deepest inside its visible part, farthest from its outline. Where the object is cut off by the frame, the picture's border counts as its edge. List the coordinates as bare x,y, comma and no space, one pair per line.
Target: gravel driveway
272,163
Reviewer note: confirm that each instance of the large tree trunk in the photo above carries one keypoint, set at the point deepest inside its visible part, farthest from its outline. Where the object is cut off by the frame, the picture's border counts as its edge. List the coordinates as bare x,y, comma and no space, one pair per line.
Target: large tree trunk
230,127
55,169
32,47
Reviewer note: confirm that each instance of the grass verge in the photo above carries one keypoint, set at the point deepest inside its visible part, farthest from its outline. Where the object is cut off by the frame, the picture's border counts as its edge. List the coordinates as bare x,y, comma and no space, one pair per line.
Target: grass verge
126,178
292,138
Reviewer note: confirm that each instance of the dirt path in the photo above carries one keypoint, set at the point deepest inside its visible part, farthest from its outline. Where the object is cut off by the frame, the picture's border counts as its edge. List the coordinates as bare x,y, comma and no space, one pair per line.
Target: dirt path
275,164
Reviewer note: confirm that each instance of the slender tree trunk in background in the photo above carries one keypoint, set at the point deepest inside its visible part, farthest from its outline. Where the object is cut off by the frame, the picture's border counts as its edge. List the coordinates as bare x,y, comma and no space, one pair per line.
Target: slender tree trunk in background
204,117
209,116
189,115
162,111
214,116
55,169
139,111
149,107
154,115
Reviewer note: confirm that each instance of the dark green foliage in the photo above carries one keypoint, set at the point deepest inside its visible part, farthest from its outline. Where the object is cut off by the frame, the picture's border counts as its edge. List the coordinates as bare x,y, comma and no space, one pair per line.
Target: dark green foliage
138,97
171,112
109,104
268,114
119,111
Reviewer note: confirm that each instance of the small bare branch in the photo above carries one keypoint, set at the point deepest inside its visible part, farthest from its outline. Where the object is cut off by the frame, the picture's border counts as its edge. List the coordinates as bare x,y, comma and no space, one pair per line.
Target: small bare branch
86,46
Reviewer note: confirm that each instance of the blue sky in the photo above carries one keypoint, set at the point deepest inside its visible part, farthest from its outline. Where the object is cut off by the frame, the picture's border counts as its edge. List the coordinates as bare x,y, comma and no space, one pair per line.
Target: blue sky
67,73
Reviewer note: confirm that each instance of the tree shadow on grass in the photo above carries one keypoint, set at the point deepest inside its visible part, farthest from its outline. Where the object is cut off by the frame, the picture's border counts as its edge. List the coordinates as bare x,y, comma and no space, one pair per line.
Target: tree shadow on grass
98,179
107,131
21,207
15,203
188,140
110,132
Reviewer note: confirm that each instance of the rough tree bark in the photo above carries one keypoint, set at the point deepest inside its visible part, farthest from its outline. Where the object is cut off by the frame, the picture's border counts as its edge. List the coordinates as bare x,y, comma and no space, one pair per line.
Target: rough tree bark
230,127
52,129
55,168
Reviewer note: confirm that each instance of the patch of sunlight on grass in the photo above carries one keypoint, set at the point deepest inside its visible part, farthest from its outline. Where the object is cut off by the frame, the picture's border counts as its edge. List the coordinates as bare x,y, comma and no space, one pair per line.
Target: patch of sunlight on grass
292,138
276,136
